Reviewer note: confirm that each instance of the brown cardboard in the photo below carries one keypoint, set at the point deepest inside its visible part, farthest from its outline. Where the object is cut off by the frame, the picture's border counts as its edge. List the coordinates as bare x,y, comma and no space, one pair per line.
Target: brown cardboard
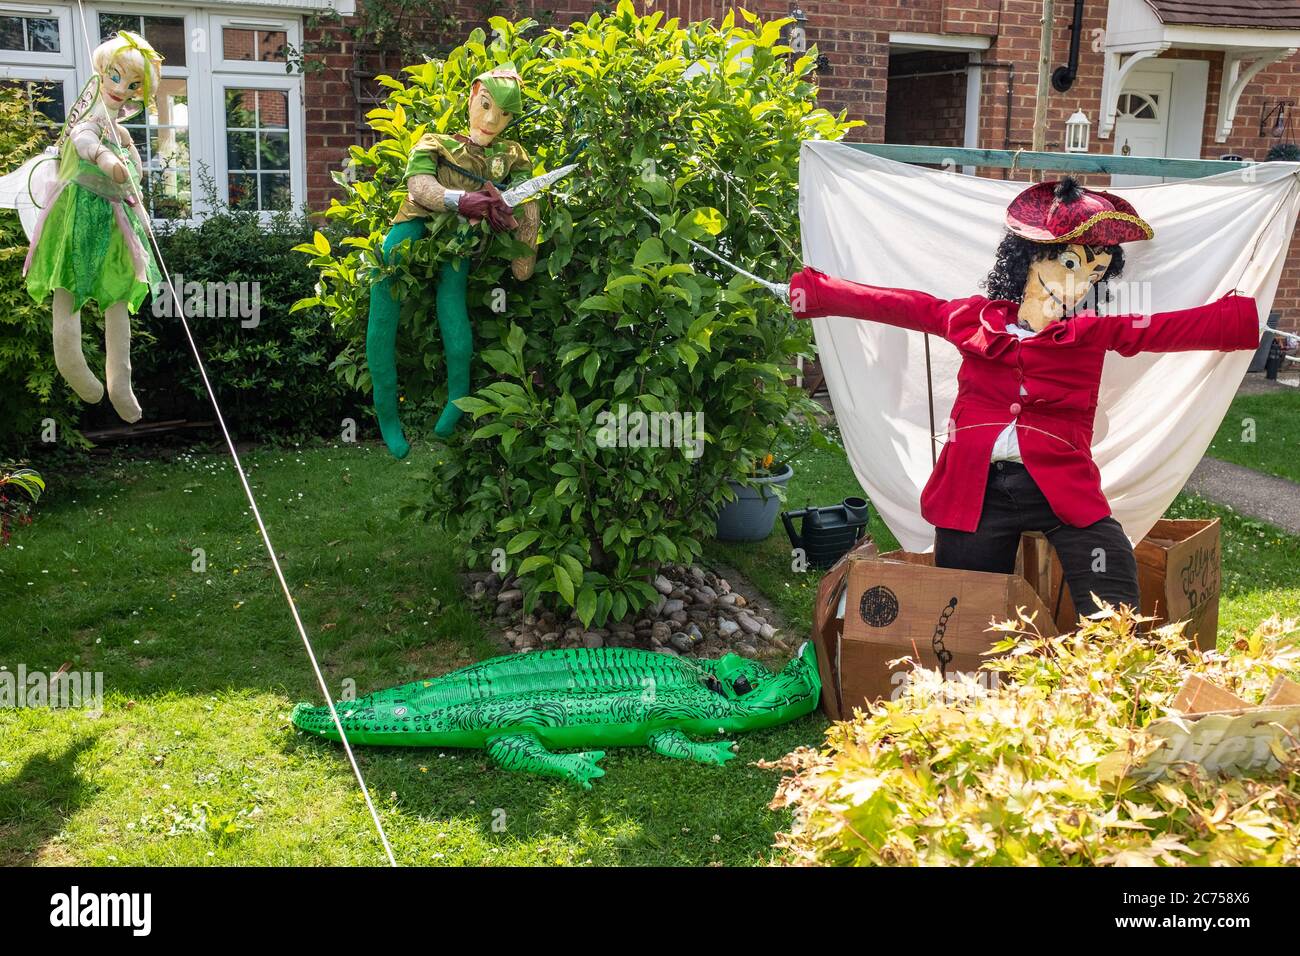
1178,576
895,605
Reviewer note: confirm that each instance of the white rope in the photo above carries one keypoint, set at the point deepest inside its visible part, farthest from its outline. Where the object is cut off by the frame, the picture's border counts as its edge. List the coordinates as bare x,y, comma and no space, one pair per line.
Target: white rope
146,218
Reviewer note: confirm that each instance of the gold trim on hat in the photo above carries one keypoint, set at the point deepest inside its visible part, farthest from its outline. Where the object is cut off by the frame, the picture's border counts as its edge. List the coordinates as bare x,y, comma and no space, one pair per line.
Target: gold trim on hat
1091,221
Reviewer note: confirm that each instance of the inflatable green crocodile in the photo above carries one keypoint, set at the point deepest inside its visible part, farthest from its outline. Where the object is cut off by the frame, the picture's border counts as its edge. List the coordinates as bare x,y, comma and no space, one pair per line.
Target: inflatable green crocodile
521,706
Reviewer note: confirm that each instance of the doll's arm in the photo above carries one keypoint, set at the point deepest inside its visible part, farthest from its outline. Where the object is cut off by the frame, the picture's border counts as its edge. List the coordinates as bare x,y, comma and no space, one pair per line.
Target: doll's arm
1228,325
814,294
530,219
427,192
87,140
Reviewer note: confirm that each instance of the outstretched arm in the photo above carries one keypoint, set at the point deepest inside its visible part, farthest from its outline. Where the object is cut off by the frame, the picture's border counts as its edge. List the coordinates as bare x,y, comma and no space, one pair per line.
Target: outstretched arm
1228,325
814,294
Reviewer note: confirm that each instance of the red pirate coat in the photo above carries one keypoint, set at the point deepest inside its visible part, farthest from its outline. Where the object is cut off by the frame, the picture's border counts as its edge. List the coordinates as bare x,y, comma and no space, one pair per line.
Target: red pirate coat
1059,368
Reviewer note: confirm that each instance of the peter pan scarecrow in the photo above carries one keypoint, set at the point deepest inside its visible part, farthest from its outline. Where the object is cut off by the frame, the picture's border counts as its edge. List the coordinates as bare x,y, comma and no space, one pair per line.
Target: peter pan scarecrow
1018,455
453,183
90,241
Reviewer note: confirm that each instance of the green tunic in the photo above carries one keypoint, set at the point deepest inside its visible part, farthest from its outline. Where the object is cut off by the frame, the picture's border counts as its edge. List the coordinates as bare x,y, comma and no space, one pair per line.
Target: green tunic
503,161
81,246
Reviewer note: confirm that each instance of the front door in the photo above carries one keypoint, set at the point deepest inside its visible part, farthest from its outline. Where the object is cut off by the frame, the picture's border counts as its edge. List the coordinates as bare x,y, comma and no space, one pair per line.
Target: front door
1142,120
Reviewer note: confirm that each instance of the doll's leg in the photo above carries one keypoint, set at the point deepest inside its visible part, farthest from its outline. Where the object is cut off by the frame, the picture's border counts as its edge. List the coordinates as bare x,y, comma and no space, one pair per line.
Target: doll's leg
381,343
68,356
457,340
1097,559
117,362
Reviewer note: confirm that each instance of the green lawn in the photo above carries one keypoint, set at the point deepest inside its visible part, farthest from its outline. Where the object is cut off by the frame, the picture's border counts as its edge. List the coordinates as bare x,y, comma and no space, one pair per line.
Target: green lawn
194,760
1262,432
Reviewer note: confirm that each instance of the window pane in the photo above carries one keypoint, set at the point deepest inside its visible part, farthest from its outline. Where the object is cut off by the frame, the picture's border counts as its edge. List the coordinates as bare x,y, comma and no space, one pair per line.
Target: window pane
47,98
167,36
243,190
257,139
271,46
273,109
11,33
110,24
169,194
238,44
275,151
276,191
241,151
241,109
43,35
44,98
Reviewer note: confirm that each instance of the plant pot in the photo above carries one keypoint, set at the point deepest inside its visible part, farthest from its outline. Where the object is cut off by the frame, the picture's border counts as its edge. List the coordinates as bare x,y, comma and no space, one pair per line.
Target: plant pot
752,516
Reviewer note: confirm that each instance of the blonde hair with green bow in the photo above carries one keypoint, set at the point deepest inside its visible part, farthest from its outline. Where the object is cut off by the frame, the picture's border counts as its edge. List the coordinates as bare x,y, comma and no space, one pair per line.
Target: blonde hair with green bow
130,51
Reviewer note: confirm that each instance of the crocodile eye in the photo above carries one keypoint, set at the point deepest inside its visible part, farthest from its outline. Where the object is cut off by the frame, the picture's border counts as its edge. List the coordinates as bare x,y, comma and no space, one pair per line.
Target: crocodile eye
741,685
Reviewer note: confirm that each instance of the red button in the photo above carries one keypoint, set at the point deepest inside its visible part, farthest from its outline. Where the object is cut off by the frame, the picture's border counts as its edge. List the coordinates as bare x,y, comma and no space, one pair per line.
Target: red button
1015,408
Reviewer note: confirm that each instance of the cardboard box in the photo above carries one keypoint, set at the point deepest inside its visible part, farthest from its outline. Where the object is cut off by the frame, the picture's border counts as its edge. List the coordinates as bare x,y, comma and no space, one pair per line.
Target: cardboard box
1178,576
874,608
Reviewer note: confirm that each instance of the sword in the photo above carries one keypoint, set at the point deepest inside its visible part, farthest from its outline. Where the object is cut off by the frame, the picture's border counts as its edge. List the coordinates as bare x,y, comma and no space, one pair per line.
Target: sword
531,187
779,289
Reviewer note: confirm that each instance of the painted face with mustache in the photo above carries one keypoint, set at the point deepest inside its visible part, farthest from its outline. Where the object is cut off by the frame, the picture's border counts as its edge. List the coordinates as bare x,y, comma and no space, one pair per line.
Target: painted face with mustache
1056,286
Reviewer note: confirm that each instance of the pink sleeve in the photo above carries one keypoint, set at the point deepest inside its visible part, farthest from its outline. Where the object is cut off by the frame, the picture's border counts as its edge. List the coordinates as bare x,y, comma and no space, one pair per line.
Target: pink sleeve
814,295
1228,325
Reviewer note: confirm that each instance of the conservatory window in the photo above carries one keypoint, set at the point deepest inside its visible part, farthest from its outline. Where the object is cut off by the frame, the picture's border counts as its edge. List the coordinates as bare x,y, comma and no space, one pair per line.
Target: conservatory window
227,113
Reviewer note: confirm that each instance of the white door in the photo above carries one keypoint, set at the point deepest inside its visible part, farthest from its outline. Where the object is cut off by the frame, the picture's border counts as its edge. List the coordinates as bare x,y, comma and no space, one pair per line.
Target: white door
1142,120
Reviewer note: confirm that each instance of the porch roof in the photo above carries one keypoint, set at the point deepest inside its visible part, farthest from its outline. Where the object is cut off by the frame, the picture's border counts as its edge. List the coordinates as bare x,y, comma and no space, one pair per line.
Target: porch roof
1262,14
1252,34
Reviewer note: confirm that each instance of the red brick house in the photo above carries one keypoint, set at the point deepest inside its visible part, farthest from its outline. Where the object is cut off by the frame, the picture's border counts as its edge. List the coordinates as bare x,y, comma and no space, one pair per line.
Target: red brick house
1188,78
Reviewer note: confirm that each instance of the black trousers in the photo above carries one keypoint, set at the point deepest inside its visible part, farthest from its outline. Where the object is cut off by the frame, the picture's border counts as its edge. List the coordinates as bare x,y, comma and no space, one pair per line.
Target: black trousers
1097,558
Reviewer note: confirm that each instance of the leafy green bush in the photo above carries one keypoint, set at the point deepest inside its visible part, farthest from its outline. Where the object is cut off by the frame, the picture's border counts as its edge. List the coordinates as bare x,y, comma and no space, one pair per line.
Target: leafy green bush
703,125
1036,771
271,368
30,387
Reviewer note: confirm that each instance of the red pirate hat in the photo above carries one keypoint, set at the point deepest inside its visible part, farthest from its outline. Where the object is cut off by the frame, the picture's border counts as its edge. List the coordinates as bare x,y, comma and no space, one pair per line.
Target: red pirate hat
1066,212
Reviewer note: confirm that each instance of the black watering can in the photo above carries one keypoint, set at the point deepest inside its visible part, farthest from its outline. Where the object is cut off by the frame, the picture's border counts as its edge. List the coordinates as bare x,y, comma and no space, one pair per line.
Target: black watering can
828,532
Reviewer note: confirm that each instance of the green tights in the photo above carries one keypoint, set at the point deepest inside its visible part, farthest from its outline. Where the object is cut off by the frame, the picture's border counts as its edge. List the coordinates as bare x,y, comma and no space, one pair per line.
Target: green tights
381,341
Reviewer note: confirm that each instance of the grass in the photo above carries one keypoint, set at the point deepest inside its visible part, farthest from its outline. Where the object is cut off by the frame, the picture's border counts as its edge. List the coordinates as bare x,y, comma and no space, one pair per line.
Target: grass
1262,431
194,761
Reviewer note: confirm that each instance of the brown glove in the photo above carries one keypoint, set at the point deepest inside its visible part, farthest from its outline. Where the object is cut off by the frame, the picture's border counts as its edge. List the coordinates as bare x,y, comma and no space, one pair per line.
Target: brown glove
487,204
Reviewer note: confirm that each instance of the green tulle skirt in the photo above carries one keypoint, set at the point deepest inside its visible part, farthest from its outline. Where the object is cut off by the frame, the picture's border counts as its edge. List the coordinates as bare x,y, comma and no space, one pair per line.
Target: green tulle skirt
81,248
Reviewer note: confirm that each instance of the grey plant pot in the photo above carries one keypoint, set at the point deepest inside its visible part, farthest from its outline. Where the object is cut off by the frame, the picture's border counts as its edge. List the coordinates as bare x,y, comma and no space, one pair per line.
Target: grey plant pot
752,516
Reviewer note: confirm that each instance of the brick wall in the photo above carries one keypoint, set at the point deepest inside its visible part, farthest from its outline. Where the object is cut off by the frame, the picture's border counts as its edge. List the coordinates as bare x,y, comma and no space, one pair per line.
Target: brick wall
855,38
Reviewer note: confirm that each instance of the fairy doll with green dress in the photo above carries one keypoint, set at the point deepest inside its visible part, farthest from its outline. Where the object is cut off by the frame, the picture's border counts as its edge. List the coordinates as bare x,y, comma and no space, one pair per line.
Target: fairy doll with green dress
90,241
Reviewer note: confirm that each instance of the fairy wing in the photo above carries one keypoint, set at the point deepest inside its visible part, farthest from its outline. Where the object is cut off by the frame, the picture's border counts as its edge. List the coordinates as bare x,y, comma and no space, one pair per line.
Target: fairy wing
27,186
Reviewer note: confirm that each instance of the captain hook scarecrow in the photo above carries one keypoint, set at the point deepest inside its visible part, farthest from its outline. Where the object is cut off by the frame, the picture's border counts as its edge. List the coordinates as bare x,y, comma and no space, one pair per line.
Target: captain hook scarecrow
1018,450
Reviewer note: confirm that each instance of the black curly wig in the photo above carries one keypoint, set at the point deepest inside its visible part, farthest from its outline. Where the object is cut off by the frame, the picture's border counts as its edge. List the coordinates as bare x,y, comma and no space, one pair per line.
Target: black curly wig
1015,254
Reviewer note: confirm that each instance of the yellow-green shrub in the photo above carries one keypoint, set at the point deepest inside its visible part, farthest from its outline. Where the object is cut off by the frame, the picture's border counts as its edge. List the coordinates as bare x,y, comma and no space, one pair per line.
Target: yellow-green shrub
1034,771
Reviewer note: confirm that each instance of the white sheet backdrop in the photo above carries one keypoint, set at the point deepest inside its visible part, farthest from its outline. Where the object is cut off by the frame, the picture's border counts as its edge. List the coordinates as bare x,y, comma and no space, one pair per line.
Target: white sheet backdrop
885,223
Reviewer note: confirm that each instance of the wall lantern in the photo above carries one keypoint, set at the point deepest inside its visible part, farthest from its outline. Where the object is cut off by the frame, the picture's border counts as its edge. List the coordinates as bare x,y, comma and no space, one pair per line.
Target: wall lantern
1076,133
796,36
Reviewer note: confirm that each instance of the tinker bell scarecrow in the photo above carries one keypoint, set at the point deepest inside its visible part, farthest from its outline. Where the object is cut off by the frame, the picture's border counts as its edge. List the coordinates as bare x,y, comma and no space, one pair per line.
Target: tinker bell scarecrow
90,241
453,183
1019,450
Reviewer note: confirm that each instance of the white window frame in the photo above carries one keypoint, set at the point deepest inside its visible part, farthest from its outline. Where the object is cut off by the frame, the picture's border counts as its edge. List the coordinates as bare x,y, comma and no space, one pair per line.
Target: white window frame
207,75
297,165
52,11
198,131
65,76
290,25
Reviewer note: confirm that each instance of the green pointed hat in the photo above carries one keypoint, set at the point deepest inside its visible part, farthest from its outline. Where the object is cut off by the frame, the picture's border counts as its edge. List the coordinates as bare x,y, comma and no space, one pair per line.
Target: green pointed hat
504,84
